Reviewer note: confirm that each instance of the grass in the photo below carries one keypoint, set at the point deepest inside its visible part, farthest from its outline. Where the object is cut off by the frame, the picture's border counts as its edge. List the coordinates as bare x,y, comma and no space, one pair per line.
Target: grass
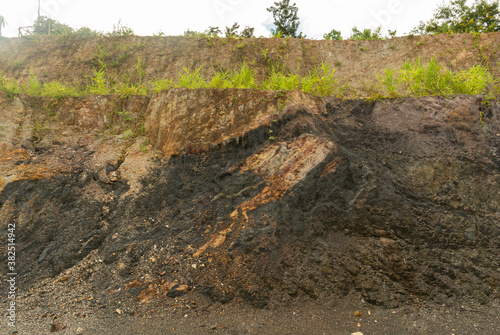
418,79
414,78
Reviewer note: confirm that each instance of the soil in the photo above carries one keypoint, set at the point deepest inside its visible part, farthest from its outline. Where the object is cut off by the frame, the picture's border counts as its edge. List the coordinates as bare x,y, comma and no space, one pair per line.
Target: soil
227,211
71,60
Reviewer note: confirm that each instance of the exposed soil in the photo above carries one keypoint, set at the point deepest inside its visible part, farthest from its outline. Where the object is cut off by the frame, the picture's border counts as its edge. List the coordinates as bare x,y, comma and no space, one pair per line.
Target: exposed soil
357,63
238,208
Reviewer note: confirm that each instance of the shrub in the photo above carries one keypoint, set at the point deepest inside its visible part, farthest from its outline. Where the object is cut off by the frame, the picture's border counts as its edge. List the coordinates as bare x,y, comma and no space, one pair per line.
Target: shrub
333,35
120,30
366,34
458,17
320,81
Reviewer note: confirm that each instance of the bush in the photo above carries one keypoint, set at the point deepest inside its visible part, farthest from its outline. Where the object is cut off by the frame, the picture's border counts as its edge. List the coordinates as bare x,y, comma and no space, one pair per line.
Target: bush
457,17
233,31
333,35
47,26
120,30
366,34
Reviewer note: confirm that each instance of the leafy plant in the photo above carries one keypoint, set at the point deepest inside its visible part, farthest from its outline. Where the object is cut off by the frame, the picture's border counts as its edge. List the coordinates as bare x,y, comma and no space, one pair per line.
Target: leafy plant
333,35
34,86
390,83
243,78
285,18
11,88
58,90
320,81
392,33
366,34
47,26
144,146
18,63
140,70
127,89
247,32
457,17
120,30
280,81
233,31
420,79
99,83
161,85
190,79
128,134
213,32
191,33
220,79
87,32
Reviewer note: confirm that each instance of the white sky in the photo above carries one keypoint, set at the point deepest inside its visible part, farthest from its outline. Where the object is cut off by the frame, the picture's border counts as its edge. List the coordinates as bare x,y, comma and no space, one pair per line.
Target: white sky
173,17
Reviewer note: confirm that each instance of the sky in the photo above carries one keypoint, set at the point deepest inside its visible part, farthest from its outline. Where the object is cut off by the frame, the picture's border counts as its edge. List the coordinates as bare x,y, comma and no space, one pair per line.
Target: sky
173,17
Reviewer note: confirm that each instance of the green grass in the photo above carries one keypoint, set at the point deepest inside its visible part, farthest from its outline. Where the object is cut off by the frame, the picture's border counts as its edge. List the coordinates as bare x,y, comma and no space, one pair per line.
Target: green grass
10,87
418,79
414,78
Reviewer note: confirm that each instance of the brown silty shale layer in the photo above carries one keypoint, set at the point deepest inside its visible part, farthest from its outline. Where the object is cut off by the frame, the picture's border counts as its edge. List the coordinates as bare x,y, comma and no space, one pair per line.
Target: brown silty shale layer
357,63
394,201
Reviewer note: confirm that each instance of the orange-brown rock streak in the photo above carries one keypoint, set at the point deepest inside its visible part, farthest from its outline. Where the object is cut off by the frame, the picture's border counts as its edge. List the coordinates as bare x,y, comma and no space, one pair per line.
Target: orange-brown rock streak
282,166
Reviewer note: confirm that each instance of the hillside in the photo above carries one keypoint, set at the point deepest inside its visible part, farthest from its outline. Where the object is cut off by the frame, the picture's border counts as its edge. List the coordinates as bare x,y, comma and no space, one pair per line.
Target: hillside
357,63
183,204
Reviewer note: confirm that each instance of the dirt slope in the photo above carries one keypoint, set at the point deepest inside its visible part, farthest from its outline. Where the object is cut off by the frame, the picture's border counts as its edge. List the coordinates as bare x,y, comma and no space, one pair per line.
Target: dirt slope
190,200
358,63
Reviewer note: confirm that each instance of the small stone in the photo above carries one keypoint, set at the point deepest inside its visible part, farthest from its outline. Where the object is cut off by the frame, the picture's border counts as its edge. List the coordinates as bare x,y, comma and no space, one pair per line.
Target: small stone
147,294
358,314
55,327
357,333
119,311
134,283
182,288
64,279
167,287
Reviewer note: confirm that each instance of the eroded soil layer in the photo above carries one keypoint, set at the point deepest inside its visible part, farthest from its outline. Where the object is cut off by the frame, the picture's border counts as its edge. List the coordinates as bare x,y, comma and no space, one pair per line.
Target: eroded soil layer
394,201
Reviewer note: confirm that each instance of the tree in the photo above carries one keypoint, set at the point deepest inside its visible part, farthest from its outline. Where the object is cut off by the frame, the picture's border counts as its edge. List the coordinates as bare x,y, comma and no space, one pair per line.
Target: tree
333,35
247,32
2,24
458,17
233,31
366,34
285,18
47,26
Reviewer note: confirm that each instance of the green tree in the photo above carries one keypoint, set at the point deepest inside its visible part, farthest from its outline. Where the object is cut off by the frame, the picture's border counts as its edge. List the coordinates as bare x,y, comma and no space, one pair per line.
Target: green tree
333,35
285,18
233,31
47,26
248,32
2,23
366,34
458,17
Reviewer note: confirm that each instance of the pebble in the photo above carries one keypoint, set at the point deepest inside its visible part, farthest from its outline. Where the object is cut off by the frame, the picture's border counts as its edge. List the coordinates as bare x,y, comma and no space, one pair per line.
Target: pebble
55,327
357,333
